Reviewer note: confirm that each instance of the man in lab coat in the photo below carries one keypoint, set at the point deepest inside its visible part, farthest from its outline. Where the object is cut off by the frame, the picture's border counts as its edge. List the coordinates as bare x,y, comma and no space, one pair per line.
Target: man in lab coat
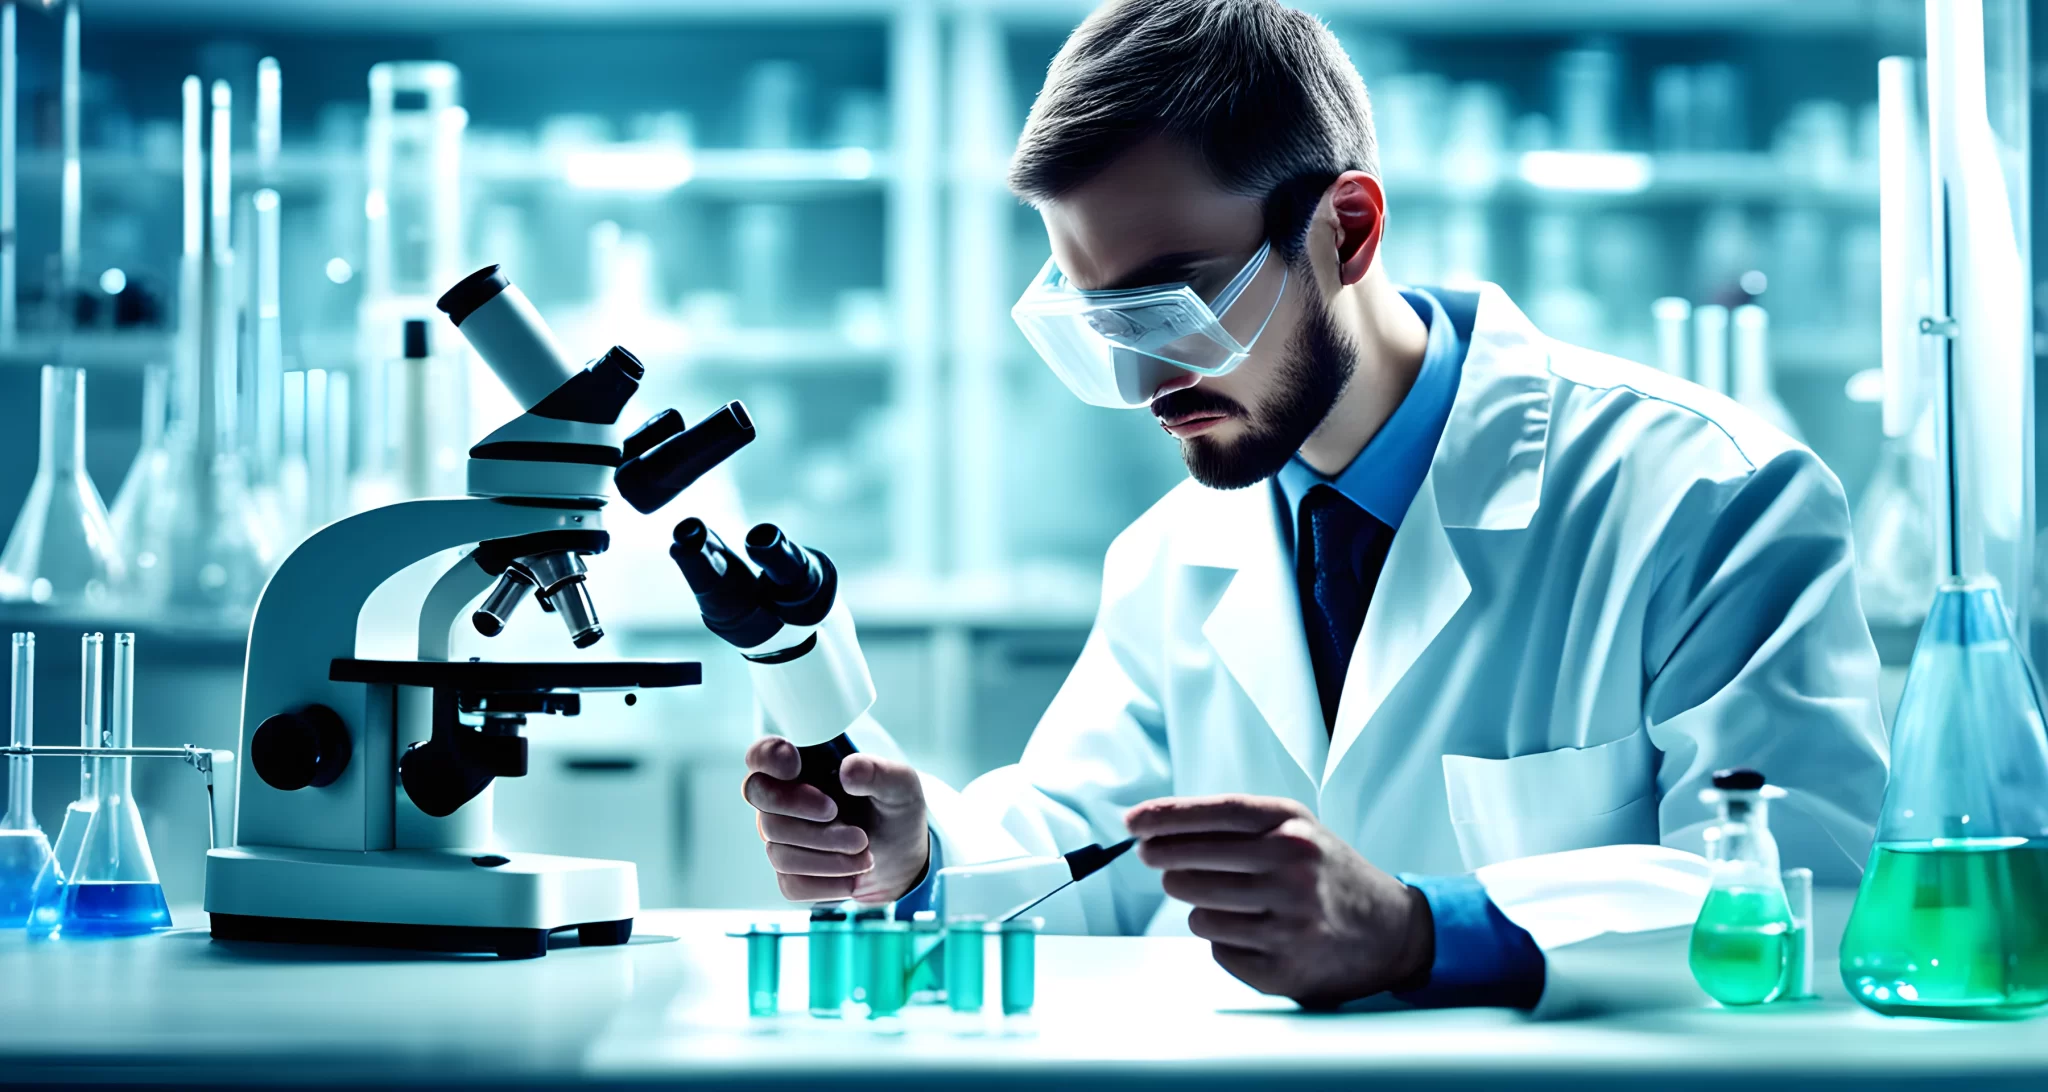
1414,686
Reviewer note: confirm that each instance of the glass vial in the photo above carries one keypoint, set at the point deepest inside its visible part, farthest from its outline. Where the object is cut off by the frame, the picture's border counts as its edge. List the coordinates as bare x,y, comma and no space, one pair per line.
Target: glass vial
764,969
863,918
927,959
1020,964
831,962
24,851
966,940
1740,941
887,944
1798,984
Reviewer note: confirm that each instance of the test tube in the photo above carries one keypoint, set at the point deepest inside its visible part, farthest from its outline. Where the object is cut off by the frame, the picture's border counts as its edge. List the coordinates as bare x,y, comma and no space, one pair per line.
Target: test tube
831,959
1020,964
862,919
1798,985
927,958
888,964
764,969
965,939
21,797
1671,315
1710,347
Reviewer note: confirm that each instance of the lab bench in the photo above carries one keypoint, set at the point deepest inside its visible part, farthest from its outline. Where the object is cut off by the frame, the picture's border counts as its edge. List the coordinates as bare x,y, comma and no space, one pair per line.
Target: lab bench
670,1009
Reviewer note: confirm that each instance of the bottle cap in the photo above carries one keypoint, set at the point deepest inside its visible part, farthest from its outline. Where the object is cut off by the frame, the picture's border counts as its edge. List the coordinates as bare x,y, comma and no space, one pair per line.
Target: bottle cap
415,339
1738,779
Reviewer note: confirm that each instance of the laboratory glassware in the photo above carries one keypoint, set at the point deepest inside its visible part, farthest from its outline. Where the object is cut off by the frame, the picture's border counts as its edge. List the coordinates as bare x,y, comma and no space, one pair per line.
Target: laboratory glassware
1672,316
1750,380
24,851
764,969
927,958
1741,940
1710,347
151,473
1798,986
47,900
1895,565
831,959
966,958
113,889
888,965
863,919
1019,947
62,551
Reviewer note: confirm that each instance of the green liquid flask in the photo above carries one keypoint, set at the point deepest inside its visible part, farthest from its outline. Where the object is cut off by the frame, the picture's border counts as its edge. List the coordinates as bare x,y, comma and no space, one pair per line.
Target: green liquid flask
1741,941
1952,916
831,962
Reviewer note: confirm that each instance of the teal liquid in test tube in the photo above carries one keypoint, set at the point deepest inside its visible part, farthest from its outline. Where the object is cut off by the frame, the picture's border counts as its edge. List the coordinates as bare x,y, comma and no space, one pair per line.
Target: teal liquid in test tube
1020,965
887,944
831,962
965,940
764,969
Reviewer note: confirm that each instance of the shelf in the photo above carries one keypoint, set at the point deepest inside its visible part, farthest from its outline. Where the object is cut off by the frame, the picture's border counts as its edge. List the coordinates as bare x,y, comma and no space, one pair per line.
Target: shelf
597,169
91,349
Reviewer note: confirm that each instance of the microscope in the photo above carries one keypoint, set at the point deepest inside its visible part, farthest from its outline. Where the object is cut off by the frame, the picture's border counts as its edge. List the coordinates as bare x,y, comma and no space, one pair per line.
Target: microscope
369,820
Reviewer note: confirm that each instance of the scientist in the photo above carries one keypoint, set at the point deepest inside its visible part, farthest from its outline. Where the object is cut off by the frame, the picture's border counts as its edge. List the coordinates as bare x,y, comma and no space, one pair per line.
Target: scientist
1413,687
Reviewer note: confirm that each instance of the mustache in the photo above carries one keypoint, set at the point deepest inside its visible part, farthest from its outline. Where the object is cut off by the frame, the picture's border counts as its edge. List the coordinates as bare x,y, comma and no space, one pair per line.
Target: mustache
1196,399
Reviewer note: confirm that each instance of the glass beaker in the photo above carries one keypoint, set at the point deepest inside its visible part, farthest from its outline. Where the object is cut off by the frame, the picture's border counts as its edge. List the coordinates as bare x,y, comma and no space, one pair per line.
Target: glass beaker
46,901
1952,915
62,551
113,889
24,851
1740,941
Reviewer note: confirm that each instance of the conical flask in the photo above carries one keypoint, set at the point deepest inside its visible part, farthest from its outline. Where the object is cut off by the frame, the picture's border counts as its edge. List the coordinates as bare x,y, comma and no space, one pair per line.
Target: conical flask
113,889
24,851
46,901
1952,917
62,551
153,474
1742,939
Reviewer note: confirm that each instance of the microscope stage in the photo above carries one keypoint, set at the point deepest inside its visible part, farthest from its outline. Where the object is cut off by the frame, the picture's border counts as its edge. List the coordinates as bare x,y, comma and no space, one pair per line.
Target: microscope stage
430,899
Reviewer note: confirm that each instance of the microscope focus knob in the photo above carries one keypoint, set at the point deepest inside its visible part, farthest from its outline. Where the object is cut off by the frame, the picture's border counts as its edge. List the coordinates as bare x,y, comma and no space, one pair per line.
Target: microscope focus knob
306,746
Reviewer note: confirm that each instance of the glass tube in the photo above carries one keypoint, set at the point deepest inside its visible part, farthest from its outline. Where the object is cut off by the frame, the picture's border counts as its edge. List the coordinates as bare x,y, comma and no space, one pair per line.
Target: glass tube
1798,984
831,957
888,963
1020,965
24,851
46,910
965,958
764,969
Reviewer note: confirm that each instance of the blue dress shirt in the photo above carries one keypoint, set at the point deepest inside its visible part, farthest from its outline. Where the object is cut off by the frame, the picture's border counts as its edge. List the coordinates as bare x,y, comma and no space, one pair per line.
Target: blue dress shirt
1482,958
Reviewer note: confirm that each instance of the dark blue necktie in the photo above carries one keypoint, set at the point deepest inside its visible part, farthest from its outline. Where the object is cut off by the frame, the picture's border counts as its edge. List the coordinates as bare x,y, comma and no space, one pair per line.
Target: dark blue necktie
1339,549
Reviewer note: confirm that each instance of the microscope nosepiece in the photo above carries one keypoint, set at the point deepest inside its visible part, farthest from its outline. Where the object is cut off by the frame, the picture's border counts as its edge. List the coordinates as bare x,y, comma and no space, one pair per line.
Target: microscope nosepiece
497,607
579,614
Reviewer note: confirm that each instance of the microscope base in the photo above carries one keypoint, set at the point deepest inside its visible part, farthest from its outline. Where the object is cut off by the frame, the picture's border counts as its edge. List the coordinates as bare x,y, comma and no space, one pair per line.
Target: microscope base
422,899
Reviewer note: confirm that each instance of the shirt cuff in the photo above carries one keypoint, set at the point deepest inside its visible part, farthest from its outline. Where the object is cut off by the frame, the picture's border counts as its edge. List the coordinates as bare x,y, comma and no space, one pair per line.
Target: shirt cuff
920,897
1482,958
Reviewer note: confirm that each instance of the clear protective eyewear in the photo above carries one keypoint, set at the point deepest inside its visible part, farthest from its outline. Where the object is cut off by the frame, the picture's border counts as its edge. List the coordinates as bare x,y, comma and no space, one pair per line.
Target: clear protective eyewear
1116,348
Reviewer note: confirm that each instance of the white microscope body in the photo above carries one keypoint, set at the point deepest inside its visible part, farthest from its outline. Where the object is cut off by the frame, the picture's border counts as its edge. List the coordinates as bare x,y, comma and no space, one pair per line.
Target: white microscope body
369,818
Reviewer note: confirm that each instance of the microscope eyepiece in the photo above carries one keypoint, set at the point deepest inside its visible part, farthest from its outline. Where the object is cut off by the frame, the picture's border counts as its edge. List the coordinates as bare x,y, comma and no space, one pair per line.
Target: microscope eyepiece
801,584
663,469
728,593
472,292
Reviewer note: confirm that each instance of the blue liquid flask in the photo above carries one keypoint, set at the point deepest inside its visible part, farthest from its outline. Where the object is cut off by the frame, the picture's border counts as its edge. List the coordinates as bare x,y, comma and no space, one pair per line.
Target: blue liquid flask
23,849
108,885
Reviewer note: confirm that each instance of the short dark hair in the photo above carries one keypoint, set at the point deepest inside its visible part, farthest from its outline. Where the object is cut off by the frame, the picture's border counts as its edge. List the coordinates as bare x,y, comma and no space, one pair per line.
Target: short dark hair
1262,92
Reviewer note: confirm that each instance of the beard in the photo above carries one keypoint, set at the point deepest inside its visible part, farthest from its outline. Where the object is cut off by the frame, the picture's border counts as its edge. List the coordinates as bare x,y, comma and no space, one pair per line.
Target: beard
1309,376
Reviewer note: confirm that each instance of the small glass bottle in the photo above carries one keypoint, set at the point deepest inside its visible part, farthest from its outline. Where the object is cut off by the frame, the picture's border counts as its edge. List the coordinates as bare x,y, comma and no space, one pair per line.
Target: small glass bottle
1740,942
24,851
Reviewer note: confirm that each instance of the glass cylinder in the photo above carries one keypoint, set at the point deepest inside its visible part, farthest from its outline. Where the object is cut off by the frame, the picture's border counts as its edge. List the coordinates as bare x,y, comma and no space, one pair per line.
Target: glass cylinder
764,969
62,551
831,962
887,944
965,959
46,910
1798,985
1020,964
24,851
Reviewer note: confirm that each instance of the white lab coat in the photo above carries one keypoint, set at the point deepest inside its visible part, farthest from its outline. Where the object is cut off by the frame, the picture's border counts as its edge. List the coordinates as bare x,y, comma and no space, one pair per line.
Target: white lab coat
1610,584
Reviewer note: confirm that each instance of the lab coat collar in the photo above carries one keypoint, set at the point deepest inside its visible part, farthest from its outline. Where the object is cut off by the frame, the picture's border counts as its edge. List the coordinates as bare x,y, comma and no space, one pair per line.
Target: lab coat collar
1487,474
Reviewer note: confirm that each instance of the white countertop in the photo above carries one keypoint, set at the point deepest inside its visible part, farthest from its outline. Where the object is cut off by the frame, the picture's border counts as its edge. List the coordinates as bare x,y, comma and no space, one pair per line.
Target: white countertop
671,1008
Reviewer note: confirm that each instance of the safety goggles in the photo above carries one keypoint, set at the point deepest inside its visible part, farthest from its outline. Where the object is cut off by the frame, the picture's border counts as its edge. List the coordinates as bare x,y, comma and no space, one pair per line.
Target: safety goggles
1117,348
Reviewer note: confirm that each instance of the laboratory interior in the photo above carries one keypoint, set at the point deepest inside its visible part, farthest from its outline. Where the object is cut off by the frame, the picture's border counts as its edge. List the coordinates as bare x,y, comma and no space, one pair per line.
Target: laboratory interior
330,329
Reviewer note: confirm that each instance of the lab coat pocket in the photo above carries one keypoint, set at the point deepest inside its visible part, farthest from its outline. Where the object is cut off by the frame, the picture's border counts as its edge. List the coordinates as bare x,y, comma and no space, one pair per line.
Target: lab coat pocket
1569,798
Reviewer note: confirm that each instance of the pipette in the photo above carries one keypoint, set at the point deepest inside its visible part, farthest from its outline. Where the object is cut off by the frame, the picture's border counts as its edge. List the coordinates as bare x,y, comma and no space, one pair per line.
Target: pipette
1001,890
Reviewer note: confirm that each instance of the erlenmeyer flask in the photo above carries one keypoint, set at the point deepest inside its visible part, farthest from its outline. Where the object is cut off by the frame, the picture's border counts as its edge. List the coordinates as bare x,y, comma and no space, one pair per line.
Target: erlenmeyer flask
62,552
1741,941
1895,565
152,474
1952,917
46,900
23,849
113,888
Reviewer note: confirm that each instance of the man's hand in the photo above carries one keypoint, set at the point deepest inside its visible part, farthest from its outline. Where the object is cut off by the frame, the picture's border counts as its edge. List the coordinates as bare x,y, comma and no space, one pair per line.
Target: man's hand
1286,906
817,859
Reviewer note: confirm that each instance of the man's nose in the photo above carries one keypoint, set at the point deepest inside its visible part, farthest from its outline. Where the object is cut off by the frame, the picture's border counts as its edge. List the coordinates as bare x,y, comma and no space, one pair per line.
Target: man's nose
1178,381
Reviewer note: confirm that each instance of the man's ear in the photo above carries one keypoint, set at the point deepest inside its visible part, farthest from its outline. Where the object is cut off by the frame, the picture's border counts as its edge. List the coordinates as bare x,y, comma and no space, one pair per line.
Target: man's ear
1358,208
